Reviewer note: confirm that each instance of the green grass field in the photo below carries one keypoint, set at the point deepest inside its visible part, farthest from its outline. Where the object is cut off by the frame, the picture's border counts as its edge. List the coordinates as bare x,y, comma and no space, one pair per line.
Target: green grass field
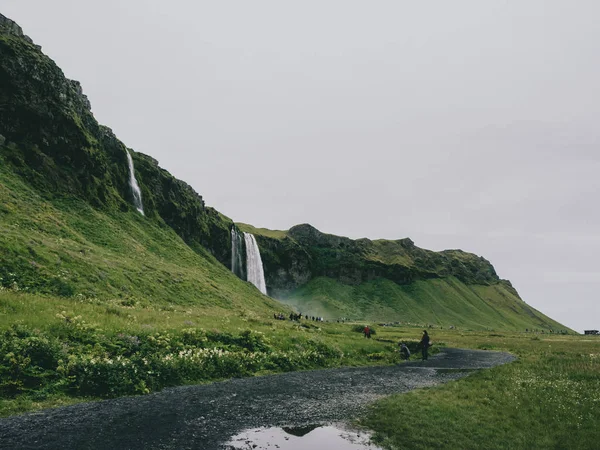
548,398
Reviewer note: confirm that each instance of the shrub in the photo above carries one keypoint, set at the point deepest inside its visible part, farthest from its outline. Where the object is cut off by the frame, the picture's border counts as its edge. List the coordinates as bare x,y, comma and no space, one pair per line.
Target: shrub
91,363
28,361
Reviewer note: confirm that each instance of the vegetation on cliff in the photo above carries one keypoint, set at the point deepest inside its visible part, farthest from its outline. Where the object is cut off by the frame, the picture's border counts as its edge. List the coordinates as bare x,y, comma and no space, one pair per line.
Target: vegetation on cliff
337,277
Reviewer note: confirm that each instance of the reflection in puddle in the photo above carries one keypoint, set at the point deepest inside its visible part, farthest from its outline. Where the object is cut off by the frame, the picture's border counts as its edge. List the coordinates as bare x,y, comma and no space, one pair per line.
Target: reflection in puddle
314,437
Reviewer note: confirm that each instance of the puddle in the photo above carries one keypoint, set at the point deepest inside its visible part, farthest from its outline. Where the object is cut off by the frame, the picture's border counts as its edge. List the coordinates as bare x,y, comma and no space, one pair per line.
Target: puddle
315,437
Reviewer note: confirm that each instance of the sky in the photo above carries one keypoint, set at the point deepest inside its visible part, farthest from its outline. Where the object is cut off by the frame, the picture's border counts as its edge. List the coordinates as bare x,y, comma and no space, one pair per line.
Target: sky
462,124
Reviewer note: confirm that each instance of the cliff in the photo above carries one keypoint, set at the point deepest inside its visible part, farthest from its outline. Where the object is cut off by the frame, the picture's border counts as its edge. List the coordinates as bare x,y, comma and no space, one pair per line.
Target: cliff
294,257
51,138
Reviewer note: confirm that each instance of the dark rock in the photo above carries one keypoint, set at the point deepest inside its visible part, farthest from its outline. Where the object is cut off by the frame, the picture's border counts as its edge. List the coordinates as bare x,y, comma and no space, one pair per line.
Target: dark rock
306,253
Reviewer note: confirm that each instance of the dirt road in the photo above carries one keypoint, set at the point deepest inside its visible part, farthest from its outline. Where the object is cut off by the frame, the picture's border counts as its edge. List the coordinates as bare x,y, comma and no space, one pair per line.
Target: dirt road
206,416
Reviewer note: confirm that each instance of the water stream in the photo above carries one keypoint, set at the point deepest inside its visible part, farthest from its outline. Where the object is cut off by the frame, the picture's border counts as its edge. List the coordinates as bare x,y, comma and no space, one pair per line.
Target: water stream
135,188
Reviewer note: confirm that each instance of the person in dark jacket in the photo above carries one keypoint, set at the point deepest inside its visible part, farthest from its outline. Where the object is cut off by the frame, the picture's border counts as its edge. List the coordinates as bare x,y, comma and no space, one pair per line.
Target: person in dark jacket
424,344
404,351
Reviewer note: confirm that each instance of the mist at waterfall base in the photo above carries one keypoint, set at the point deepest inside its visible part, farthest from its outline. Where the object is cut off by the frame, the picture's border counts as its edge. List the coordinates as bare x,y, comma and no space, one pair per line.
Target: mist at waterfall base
254,267
135,188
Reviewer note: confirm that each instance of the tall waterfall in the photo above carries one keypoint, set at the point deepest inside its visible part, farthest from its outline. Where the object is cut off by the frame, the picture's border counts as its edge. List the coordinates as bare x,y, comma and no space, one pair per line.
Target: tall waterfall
254,267
135,188
236,253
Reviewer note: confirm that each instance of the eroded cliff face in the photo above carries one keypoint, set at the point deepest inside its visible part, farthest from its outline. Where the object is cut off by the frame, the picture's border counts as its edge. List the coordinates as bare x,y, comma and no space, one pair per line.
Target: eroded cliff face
50,137
287,264
306,253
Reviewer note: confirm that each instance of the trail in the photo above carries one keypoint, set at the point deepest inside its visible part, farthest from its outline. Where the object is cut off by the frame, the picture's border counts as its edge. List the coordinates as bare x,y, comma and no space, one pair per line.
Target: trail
206,416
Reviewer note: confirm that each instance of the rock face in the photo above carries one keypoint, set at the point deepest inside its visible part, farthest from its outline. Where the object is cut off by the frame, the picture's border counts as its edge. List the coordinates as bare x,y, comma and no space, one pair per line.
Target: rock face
51,138
305,253
10,27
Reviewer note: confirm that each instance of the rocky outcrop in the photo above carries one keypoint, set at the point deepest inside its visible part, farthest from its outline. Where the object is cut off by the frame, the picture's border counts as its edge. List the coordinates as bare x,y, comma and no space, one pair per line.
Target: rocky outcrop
10,27
287,264
305,253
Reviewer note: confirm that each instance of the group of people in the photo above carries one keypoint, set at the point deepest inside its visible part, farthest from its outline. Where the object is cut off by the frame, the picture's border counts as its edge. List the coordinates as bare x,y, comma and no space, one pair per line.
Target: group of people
424,344
297,317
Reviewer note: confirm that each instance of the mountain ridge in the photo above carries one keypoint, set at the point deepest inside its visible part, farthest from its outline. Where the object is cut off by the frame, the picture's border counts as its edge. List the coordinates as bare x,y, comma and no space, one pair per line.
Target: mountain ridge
50,139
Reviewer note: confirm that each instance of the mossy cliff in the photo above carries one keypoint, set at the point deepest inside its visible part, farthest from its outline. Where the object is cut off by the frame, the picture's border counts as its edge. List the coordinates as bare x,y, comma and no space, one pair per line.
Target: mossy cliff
51,138
337,277
294,257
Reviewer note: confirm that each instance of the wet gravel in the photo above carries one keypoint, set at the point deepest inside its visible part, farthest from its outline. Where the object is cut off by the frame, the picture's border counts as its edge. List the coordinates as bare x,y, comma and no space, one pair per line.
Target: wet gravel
206,416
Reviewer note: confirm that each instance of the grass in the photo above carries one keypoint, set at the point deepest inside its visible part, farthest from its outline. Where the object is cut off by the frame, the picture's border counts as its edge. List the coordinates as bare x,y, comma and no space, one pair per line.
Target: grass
549,398
444,302
388,252
65,247
63,350
275,234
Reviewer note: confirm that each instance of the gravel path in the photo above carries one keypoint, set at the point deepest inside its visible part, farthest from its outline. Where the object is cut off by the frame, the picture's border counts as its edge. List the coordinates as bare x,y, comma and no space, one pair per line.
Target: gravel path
206,416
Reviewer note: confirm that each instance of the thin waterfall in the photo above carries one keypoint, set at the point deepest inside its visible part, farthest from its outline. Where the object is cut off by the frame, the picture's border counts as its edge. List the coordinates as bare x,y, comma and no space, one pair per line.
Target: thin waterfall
236,253
254,266
135,188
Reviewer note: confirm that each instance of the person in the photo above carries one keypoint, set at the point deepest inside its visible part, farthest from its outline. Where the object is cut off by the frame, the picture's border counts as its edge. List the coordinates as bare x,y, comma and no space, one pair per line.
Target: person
367,331
424,344
404,351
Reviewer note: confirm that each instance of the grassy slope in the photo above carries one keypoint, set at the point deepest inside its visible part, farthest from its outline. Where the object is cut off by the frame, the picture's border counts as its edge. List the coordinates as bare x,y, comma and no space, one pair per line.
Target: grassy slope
65,247
547,399
442,302
275,234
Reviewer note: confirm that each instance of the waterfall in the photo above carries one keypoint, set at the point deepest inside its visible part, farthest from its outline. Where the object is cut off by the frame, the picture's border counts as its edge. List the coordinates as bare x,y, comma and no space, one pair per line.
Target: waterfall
236,253
254,267
135,188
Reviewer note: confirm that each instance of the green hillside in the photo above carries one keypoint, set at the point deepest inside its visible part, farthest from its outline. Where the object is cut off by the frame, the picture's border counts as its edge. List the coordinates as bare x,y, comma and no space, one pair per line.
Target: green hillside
65,247
335,277
441,302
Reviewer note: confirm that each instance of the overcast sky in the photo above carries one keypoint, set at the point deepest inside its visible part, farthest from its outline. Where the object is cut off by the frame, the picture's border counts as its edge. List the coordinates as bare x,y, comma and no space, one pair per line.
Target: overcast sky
462,124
